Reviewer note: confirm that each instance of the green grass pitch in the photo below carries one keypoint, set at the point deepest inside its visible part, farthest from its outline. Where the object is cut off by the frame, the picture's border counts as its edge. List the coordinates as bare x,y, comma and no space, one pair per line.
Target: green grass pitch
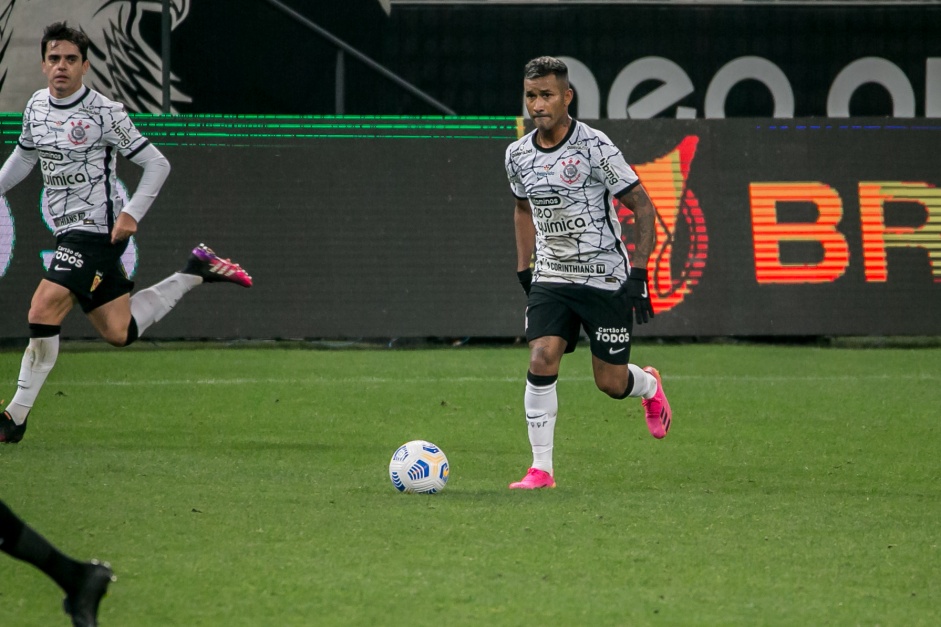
799,486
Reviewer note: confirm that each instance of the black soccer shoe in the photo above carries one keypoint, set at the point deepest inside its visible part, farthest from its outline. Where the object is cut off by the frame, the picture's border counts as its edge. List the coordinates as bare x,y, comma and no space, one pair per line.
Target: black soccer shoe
10,432
82,605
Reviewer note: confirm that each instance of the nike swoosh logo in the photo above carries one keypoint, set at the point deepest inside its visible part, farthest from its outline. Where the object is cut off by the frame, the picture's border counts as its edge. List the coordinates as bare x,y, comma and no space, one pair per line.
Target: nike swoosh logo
59,268
644,293
530,416
615,352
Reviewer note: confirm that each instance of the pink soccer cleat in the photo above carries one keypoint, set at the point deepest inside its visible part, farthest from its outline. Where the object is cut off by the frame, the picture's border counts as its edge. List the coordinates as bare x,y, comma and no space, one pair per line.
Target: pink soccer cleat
213,268
534,479
657,408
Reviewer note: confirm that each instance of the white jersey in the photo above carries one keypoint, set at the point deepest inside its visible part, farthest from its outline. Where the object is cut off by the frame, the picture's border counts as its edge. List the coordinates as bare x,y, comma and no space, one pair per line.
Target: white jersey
571,188
78,139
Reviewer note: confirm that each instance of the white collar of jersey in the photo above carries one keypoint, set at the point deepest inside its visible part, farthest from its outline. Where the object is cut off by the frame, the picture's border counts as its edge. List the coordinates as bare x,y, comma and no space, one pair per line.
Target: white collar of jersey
64,103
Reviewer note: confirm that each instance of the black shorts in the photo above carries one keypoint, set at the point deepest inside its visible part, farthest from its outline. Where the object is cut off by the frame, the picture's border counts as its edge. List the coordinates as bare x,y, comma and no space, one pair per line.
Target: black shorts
89,265
562,310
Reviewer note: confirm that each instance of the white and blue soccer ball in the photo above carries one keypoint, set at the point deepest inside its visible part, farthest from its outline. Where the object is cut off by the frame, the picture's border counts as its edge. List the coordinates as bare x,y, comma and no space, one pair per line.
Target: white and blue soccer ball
419,467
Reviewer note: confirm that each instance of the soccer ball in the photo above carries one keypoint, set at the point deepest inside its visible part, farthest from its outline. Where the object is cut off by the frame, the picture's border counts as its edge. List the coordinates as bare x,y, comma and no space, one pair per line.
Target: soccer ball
419,467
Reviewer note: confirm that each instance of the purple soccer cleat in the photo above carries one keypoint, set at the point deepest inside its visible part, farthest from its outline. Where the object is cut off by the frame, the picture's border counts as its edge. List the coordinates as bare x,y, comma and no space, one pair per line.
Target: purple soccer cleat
213,268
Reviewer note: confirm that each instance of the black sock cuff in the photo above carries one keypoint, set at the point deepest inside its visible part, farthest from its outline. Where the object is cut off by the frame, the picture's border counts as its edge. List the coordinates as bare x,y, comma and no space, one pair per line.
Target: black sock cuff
44,330
541,380
630,386
132,332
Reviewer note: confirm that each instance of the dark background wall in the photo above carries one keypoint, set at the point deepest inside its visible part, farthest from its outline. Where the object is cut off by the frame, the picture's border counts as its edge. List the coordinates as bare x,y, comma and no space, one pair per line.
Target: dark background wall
470,57
388,227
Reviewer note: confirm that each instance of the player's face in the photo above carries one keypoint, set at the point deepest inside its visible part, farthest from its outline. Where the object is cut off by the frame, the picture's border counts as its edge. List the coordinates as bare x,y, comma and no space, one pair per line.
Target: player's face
547,101
64,68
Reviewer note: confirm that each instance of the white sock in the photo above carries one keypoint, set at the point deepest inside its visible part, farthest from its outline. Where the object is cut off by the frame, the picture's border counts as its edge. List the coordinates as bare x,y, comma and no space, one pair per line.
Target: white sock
645,384
38,359
542,407
150,305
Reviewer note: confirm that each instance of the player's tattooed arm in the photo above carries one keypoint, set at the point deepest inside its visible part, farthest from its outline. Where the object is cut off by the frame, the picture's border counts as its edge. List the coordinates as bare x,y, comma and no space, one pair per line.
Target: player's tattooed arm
645,216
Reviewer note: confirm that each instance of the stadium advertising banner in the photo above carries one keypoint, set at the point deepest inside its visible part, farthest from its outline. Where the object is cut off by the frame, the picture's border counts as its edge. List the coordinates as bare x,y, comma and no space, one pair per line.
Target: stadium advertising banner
394,228
792,229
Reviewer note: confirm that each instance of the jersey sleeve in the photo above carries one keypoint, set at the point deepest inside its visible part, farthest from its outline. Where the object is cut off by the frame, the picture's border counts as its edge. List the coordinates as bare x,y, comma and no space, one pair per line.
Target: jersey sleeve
119,131
513,175
156,168
19,164
25,140
609,166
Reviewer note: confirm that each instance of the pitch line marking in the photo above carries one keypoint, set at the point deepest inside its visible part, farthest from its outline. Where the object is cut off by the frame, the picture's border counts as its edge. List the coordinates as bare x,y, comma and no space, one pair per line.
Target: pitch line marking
515,380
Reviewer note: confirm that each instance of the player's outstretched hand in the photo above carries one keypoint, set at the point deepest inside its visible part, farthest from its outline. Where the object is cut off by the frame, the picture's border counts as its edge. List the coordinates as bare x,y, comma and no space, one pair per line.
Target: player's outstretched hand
638,295
525,278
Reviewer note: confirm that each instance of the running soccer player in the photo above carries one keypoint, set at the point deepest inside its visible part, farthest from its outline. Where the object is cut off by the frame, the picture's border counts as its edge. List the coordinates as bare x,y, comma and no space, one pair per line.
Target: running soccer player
74,133
565,176
84,583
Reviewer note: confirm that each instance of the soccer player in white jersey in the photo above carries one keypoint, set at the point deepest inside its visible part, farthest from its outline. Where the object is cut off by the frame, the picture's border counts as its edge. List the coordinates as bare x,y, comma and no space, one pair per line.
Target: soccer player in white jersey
75,134
565,176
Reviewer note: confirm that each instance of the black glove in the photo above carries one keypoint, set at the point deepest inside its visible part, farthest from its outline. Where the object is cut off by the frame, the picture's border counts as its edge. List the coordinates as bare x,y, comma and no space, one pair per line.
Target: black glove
638,295
526,279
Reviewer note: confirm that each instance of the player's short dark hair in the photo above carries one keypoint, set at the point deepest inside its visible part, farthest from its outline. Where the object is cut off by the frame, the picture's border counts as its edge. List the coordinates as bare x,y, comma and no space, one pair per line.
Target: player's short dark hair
60,31
544,66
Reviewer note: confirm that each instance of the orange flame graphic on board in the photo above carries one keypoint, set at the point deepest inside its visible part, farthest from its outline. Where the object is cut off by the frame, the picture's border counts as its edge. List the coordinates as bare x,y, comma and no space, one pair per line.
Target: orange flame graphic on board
678,260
